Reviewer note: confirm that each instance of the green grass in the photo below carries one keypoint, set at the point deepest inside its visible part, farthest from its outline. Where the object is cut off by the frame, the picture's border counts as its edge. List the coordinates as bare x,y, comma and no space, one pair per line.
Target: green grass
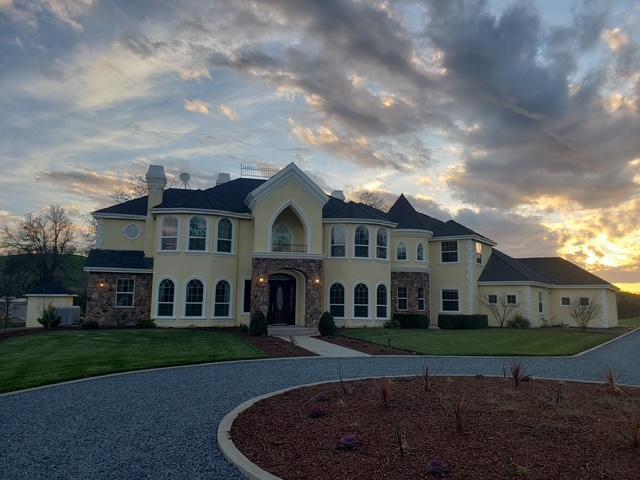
630,322
493,341
59,356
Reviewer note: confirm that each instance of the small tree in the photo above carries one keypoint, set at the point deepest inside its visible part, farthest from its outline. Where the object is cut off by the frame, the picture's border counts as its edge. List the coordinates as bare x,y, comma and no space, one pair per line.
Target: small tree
327,326
49,318
501,310
258,325
584,313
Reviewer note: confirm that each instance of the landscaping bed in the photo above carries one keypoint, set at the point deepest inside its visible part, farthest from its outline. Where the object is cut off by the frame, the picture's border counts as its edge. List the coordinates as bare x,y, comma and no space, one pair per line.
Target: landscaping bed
365,347
539,430
277,347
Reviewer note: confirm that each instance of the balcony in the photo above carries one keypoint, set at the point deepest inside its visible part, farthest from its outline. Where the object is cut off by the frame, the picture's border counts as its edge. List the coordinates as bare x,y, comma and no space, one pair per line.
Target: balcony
289,247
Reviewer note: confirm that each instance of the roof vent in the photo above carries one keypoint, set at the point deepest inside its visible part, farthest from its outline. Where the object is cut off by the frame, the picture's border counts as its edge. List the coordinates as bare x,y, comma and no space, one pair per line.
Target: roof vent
223,178
339,194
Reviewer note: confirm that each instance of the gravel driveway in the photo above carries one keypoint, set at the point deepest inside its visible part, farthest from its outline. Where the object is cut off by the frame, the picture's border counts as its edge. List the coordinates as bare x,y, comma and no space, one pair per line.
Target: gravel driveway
162,424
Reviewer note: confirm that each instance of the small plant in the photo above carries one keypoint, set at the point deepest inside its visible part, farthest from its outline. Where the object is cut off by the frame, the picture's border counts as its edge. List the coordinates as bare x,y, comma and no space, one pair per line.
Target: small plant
348,442
518,321
145,323
402,442
426,379
611,381
392,323
317,412
343,385
326,325
584,313
557,396
244,328
386,392
459,414
292,340
90,325
49,318
523,472
634,430
437,469
517,373
258,325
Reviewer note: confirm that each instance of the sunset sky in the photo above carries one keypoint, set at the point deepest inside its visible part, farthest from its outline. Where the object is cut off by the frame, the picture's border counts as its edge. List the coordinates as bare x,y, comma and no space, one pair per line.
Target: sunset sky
518,119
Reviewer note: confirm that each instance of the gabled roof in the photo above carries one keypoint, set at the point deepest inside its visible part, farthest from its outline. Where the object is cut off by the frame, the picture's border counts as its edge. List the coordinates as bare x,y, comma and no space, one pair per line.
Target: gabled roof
336,208
503,268
50,288
562,272
451,228
407,217
105,260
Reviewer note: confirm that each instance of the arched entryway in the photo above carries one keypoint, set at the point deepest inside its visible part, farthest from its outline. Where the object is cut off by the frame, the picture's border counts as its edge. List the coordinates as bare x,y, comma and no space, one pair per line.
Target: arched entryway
282,299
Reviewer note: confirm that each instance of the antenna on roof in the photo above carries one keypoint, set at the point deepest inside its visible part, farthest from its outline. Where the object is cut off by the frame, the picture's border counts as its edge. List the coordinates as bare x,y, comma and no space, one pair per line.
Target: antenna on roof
184,178
253,171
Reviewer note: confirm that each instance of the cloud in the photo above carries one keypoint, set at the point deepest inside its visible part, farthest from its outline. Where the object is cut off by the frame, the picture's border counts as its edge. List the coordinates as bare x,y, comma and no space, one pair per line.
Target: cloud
196,106
66,11
196,73
94,185
229,113
615,39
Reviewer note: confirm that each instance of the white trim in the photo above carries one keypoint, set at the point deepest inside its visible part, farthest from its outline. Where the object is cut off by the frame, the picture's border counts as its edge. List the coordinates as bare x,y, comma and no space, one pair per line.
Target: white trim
134,238
47,295
157,298
356,257
440,262
204,298
512,283
406,252
231,299
410,268
301,216
353,301
547,285
442,310
206,235
133,294
306,256
202,211
412,232
387,306
293,173
467,237
425,254
360,221
344,305
117,270
472,286
345,245
540,302
232,239
528,302
161,236
387,239
119,216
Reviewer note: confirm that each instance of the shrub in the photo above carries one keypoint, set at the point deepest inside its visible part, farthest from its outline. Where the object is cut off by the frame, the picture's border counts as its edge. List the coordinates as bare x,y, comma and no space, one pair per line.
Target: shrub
517,373
462,322
90,325
411,320
145,323
392,323
459,414
49,318
326,325
518,321
258,324
244,328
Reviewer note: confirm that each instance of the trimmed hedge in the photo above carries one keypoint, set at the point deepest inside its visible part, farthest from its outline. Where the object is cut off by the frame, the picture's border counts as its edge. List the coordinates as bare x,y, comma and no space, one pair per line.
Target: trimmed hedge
518,321
410,320
462,322
326,325
258,325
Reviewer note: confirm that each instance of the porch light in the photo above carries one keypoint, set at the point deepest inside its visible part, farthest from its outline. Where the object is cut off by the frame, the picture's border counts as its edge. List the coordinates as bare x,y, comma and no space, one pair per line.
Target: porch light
317,281
102,283
261,280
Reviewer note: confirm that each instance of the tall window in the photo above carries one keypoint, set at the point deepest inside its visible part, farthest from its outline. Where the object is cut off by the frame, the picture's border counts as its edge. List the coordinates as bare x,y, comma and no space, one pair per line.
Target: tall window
421,302
222,299
169,235
124,292
540,302
282,239
381,302
338,241
197,234
246,300
478,253
166,294
336,300
225,234
449,251
403,298
381,243
361,301
362,242
401,251
194,299
420,252
450,300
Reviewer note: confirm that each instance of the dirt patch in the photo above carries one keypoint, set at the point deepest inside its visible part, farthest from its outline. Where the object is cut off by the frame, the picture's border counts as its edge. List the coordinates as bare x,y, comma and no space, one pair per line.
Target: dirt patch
366,347
277,347
507,432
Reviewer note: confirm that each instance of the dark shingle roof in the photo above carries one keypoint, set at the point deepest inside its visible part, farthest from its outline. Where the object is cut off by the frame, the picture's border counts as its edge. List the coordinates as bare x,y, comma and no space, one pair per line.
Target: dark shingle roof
451,228
50,288
503,268
336,208
403,213
125,259
562,272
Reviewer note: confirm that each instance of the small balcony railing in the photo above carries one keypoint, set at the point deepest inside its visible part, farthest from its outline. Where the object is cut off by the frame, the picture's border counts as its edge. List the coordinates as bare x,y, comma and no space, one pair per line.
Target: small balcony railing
289,247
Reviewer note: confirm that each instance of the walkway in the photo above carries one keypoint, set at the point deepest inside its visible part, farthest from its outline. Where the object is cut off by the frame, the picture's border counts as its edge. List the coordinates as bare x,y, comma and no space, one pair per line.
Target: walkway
322,348
162,424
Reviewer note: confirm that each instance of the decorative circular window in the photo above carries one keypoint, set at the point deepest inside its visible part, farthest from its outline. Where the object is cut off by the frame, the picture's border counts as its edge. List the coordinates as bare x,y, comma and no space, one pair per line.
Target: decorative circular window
132,231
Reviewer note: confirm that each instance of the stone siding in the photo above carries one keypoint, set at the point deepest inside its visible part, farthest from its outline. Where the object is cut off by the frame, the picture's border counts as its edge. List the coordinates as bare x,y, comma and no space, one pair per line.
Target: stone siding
411,280
311,269
101,300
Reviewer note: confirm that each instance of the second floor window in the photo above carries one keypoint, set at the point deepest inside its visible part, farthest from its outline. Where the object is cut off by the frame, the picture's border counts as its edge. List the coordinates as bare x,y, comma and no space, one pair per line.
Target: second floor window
169,235
478,253
449,252
225,235
198,234
381,243
282,239
362,242
420,252
401,251
338,241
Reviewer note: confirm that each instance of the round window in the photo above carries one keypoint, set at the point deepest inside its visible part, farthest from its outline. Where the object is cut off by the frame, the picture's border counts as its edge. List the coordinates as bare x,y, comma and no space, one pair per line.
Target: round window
132,231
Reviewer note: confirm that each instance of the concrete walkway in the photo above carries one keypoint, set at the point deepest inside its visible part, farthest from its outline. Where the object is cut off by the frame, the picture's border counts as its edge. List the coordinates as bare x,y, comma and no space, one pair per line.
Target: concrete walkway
322,348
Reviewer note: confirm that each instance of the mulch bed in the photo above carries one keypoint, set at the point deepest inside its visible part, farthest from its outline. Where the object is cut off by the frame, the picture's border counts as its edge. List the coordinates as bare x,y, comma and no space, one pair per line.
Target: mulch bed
365,347
277,347
508,432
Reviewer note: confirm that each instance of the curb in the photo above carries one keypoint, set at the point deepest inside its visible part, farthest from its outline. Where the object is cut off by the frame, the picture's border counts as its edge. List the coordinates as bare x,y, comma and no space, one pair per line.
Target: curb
253,472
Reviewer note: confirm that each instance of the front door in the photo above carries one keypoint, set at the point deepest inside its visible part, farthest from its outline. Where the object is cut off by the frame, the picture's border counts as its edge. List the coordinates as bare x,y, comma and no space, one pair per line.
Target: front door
282,300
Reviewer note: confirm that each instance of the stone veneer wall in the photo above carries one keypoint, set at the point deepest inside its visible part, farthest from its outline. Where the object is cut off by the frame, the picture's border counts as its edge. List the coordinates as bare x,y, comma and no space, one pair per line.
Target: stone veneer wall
101,301
411,280
311,269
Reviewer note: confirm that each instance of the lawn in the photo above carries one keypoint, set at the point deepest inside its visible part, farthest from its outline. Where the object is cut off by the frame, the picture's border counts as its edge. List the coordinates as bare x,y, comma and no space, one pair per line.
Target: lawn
630,322
58,356
492,341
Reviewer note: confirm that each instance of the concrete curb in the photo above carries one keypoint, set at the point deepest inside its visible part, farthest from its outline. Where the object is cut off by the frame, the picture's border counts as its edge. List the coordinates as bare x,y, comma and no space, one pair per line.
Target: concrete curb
252,471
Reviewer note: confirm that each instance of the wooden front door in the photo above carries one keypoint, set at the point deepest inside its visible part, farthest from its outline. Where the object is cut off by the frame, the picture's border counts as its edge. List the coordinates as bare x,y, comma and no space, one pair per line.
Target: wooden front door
282,300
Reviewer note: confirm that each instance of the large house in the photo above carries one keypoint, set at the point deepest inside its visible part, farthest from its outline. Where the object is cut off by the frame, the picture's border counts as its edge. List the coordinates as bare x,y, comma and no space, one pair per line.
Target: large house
282,245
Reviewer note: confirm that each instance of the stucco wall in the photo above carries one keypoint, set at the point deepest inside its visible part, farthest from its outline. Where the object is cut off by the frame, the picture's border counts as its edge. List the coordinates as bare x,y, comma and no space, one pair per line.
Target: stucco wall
606,298
113,237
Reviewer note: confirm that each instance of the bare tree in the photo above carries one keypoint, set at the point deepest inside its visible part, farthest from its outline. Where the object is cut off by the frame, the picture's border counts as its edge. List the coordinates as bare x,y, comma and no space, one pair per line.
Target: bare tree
135,187
47,236
373,200
501,310
584,313
88,233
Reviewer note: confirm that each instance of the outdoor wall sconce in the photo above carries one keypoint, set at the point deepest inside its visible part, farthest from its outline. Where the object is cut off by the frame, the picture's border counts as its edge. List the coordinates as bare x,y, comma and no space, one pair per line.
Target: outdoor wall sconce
102,283
261,280
317,281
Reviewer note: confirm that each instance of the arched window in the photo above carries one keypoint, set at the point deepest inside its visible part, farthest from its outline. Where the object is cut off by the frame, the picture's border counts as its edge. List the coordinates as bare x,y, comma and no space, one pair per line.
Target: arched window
166,294
420,252
282,239
225,234
336,300
222,300
362,242
194,298
169,235
198,234
381,243
338,241
361,301
381,301
401,251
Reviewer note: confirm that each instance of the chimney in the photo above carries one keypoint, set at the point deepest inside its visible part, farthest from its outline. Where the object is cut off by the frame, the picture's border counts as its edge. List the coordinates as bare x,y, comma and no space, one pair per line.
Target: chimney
223,178
156,181
339,194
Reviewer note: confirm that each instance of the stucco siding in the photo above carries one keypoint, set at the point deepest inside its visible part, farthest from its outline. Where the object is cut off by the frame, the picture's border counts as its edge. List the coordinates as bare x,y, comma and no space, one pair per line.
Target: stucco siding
113,234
